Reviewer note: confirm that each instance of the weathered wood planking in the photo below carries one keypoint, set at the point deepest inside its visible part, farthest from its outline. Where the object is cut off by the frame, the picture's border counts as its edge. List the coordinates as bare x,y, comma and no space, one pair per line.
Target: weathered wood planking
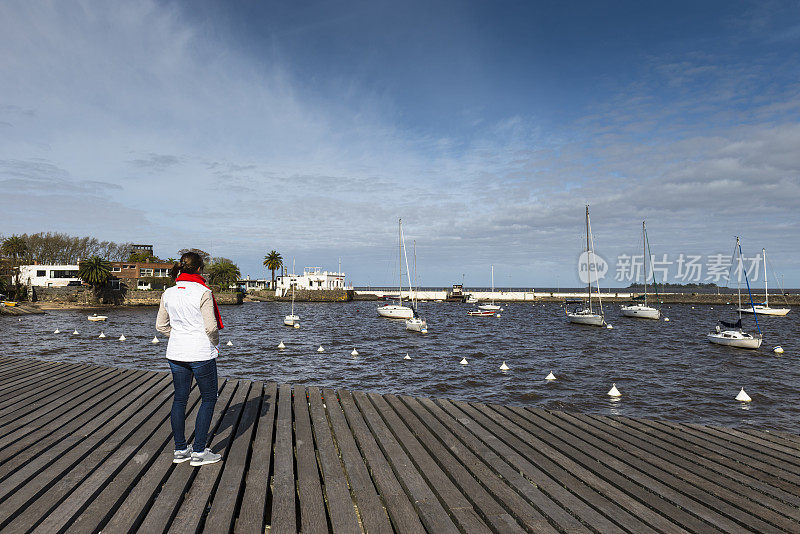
87,448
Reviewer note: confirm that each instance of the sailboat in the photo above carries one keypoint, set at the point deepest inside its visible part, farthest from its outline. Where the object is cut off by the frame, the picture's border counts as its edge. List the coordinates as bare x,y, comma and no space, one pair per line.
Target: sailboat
763,308
416,323
585,314
643,311
398,311
291,319
734,336
492,306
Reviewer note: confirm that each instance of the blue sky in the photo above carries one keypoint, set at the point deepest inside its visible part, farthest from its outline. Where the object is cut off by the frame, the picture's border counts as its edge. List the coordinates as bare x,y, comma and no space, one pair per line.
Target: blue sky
310,127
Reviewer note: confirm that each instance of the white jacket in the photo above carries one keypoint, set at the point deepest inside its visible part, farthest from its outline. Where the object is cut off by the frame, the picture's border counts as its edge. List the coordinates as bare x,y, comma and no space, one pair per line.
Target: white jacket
186,316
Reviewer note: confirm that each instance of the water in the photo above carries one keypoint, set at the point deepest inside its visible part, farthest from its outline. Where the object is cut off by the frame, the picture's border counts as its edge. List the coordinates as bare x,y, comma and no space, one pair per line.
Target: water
664,370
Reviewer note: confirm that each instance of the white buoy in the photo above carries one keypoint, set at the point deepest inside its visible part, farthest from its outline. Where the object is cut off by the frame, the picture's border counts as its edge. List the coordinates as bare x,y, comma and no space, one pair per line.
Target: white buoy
320,349
281,345
712,307
609,326
692,307
498,315
57,331
122,338
102,335
778,350
75,333
155,340
297,325
742,396
551,376
614,392
666,319
464,361
229,343
354,353
504,367
406,357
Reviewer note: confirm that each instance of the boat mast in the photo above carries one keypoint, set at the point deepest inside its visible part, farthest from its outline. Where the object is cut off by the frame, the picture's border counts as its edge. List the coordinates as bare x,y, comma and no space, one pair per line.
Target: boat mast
400,258
644,257
493,284
588,260
739,277
766,293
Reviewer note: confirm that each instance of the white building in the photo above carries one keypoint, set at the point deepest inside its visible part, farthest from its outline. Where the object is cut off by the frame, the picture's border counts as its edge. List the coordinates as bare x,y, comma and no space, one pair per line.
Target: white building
313,278
247,284
49,275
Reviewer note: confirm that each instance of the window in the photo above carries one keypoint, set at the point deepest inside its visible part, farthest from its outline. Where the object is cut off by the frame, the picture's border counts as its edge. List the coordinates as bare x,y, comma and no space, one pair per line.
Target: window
145,272
142,283
161,272
115,269
41,273
64,274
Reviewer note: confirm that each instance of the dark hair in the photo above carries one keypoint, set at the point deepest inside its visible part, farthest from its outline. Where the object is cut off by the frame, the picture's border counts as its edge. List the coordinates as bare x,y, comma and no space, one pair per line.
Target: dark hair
191,263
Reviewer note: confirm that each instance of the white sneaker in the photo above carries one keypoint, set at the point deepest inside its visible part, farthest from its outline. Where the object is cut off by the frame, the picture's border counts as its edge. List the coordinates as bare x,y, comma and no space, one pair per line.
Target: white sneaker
205,457
182,456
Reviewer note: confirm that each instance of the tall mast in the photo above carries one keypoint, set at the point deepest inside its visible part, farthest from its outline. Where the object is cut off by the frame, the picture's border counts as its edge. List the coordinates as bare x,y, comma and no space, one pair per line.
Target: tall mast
739,278
588,259
492,284
766,293
644,257
400,258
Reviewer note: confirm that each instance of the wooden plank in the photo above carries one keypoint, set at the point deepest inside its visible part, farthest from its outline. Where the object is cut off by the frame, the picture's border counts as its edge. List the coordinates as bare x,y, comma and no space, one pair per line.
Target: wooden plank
456,503
475,474
252,513
23,460
671,447
570,492
93,503
400,509
128,514
284,513
144,407
787,453
309,489
31,481
431,512
40,409
196,500
341,512
43,439
171,495
13,383
371,512
37,389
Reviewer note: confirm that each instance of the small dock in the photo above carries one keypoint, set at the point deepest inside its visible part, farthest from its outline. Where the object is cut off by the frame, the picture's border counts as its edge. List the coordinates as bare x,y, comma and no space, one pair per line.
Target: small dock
88,448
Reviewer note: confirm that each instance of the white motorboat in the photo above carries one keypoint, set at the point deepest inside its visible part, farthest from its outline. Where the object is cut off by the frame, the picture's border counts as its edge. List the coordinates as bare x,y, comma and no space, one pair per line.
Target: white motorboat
733,336
586,315
491,306
481,313
764,309
398,311
471,299
95,317
416,323
291,319
643,311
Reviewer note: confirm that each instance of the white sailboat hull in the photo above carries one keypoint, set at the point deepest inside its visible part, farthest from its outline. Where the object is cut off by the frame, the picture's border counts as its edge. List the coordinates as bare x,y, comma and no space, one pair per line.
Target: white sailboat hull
417,325
493,307
734,338
291,320
591,319
395,311
766,310
641,312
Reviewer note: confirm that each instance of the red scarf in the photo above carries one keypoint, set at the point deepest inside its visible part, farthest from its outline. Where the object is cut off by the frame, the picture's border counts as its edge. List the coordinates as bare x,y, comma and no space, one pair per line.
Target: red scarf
186,277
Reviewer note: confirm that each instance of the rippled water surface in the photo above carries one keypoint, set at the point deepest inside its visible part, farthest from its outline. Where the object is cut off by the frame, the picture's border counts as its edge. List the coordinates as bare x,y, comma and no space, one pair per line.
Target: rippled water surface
664,370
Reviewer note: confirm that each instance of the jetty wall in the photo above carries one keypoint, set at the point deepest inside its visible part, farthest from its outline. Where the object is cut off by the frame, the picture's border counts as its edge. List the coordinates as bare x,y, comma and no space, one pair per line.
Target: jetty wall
86,295
304,295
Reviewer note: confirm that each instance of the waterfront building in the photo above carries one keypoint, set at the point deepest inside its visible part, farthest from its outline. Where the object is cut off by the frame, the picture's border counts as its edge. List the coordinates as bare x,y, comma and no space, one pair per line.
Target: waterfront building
137,275
246,284
312,279
49,275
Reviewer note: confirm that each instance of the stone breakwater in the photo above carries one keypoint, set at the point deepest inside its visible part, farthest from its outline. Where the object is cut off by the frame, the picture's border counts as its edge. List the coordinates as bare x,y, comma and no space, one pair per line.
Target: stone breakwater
303,295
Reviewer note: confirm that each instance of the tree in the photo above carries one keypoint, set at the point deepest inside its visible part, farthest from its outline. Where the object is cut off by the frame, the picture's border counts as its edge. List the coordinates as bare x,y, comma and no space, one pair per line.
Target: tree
95,271
15,247
273,261
205,256
223,272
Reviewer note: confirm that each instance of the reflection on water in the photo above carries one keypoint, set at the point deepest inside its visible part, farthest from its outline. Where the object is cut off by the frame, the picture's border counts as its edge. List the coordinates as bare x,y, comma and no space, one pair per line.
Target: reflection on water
663,369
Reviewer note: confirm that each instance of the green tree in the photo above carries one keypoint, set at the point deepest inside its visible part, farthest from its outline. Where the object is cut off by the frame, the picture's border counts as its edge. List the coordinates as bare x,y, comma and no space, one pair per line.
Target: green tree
273,261
95,271
223,272
15,247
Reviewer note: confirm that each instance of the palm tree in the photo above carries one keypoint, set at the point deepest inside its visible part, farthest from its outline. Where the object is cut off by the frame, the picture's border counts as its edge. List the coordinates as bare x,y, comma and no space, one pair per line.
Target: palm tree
95,271
16,247
273,261
223,273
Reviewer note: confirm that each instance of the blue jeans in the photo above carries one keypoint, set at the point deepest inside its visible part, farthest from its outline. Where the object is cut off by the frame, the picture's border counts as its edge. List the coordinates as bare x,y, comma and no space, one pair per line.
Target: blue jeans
205,372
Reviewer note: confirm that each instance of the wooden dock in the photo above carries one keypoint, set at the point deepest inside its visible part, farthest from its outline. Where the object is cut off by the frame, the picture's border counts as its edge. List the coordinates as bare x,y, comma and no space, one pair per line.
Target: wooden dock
86,448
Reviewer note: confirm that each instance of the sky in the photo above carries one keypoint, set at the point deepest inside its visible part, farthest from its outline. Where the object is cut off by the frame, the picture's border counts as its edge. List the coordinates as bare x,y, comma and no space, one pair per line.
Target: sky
311,127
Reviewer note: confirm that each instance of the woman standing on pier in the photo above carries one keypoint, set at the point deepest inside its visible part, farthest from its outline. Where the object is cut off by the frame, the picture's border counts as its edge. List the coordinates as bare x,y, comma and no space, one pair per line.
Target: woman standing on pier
189,316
